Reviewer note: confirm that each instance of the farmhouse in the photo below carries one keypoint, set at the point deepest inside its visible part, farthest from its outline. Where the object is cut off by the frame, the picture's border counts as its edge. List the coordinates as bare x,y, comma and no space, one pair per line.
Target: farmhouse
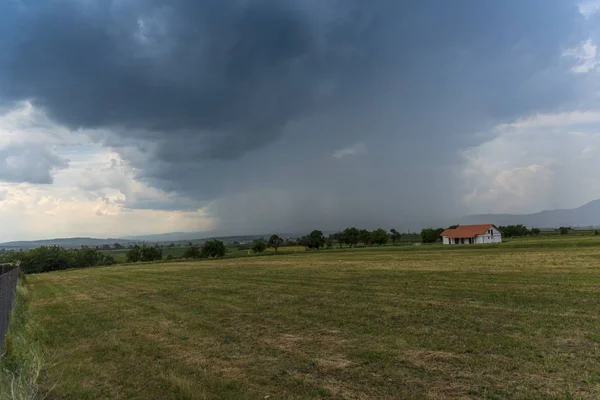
472,234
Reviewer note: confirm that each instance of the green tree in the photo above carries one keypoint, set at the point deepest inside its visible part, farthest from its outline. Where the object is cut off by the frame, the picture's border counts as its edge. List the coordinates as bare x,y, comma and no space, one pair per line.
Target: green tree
314,240
192,252
366,237
564,230
351,236
134,254
86,258
338,238
394,235
317,239
54,258
380,236
213,248
259,246
535,231
274,242
429,235
329,242
514,230
150,253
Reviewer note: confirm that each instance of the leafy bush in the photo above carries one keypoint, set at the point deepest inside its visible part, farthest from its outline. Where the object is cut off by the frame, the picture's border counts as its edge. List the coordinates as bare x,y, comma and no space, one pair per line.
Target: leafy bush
143,253
314,240
350,236
213,248
429,235
259,246
514,230
380,236
192,252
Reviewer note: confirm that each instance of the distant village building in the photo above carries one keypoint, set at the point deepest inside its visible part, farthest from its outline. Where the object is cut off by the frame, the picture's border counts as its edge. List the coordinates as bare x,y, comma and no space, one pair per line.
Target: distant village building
472,234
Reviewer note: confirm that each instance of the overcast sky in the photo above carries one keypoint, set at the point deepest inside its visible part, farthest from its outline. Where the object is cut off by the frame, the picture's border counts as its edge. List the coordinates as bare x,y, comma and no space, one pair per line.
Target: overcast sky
256,116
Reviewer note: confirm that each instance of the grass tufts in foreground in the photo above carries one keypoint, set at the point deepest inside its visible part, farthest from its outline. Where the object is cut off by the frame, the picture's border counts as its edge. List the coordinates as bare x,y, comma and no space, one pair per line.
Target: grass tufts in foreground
21,363
476,322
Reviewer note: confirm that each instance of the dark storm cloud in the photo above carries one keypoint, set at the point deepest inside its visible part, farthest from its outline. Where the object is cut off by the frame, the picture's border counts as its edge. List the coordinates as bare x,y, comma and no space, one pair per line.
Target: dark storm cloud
182,88
231,72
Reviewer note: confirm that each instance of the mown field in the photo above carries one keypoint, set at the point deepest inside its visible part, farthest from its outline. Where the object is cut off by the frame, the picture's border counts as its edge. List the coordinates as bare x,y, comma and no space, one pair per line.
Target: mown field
508,321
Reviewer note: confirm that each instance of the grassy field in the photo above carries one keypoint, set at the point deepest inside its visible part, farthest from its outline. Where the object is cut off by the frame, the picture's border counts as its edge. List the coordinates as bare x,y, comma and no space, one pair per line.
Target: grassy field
120,256
415,322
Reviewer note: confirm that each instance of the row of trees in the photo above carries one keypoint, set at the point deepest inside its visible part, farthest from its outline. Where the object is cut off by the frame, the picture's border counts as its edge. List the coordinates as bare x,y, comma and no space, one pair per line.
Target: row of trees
350,237
54,258
517,231
210,249
143,253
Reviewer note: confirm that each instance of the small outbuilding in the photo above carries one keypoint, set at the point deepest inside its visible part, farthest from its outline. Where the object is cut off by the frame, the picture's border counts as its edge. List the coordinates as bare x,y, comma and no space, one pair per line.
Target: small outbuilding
472,234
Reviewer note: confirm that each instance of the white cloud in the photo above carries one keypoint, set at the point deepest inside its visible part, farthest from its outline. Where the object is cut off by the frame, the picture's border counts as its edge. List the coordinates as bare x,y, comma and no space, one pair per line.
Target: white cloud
541,162
585,54
589,8
356,149
28,143
95,193
35,212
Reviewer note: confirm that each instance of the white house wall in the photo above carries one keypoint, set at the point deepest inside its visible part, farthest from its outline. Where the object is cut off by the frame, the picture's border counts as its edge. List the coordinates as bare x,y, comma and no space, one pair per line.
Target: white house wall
494,237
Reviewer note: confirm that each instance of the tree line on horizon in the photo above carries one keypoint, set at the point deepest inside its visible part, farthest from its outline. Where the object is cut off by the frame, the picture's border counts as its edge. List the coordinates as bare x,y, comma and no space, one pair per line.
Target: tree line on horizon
316,239
55,258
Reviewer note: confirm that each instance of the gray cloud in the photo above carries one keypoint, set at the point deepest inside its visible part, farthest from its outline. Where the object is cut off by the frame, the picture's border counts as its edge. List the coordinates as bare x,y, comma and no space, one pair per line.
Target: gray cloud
228,75
210,99
29,163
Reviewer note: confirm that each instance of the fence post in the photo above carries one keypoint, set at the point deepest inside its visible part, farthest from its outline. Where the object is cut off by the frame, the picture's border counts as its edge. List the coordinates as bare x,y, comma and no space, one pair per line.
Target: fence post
9,276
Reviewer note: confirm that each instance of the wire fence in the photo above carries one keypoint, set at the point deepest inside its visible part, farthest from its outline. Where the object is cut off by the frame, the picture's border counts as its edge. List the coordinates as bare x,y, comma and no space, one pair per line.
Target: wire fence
9,275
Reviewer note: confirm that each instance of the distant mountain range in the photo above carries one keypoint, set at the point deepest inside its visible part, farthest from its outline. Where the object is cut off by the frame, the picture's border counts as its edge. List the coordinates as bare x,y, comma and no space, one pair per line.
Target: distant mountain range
587,215
69,243
168,237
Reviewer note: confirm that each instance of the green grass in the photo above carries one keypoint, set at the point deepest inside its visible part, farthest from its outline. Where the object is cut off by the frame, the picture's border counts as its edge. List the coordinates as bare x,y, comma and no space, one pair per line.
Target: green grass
395,322
21,361
120,256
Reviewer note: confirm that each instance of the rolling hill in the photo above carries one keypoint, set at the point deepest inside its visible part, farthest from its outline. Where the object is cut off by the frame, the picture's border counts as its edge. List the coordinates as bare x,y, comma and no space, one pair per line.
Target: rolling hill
585,216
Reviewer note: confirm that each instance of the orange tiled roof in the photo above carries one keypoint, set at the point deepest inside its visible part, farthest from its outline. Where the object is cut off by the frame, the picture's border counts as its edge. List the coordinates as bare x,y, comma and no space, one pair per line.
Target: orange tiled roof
466,231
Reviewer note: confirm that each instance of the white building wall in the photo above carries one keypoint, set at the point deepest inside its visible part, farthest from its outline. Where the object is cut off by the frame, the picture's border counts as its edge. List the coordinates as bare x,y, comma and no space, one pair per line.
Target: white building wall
489,237
492,236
